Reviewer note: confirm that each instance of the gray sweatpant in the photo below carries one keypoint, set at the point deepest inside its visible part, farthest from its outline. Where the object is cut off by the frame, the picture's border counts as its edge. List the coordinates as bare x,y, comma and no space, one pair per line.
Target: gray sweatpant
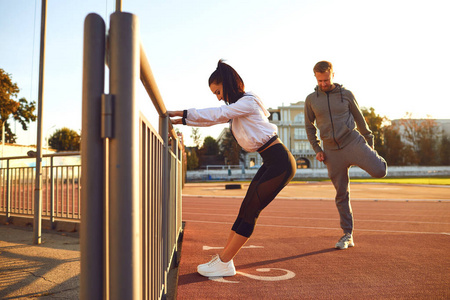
338,162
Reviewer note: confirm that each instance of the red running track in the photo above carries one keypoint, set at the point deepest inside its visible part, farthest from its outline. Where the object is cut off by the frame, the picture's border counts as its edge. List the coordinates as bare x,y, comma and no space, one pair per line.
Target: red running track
402,251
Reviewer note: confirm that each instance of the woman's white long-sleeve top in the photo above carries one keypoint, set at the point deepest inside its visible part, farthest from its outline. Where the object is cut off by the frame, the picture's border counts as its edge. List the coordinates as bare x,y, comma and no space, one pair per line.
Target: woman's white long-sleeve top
249,117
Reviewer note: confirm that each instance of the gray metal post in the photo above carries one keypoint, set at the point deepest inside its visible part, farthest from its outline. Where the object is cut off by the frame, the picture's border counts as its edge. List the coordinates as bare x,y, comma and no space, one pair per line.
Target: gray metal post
52,195
164,132
175,187
8,192
37,224
124,239
92,276
106,129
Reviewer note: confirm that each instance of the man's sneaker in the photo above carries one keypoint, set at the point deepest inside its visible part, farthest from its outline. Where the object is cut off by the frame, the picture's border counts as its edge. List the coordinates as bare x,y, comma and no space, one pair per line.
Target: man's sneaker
217,268
345,242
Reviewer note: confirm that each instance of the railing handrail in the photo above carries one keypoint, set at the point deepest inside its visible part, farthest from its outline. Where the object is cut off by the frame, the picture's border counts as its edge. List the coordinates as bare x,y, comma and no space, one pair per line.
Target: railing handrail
148,80
61,184
44,155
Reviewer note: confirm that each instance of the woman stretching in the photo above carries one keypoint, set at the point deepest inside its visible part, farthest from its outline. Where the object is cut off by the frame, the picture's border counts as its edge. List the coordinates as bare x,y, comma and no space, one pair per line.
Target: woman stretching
252,130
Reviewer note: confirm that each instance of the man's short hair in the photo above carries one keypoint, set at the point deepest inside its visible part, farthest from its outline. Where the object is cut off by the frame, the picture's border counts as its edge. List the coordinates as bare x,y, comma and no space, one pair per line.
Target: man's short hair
323,66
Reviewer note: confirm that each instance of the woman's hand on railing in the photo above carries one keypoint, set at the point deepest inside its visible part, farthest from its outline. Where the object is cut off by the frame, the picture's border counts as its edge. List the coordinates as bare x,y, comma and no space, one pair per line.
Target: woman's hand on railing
176,121
175,113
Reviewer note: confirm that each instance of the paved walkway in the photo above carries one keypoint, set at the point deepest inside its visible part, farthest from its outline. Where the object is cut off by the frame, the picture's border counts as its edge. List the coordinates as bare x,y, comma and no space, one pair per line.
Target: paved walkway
47,271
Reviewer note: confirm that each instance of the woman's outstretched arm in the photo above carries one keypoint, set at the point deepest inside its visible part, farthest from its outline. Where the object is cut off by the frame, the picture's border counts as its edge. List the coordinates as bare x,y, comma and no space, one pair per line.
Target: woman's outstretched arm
175,114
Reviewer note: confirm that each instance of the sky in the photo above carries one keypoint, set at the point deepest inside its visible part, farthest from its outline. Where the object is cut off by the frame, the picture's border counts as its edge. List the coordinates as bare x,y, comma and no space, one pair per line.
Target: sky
392,54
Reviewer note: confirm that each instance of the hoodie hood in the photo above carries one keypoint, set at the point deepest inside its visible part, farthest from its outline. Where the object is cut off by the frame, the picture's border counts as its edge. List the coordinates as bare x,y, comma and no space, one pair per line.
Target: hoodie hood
338,88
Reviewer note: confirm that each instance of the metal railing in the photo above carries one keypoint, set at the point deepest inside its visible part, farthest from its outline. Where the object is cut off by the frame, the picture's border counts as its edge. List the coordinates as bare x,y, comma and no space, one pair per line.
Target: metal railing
131,174
60,188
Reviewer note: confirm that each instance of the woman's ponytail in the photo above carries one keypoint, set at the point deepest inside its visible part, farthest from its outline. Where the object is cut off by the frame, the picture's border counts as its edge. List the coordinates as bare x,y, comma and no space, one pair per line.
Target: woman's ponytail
233,85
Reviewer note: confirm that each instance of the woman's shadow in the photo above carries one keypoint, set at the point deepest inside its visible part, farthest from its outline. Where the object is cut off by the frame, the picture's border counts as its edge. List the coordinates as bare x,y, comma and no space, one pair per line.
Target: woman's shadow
195,277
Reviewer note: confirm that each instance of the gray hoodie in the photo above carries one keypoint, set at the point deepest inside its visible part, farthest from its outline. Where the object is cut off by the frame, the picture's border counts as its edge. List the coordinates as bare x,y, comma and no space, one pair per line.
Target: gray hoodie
335,114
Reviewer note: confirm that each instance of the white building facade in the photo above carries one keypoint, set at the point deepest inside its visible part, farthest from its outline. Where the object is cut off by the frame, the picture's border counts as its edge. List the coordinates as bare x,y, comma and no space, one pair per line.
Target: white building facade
291,130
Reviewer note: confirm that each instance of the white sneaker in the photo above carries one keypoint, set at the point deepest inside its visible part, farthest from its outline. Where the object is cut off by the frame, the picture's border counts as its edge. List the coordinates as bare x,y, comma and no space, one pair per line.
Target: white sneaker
217,268
345,241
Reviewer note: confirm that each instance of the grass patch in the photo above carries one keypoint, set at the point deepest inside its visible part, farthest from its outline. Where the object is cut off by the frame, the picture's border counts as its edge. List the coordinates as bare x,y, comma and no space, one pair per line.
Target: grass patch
414,180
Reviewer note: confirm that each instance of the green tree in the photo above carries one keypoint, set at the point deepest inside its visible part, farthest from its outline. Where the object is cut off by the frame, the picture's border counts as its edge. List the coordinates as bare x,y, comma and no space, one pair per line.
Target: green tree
210,146
410,134
65,139
20,110
231,151
192,159
428,141
209,153
420,140
196,137
376,123
393,147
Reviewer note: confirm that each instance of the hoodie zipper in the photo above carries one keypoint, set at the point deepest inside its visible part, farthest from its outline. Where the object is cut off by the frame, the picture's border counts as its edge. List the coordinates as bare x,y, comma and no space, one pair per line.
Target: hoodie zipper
331,118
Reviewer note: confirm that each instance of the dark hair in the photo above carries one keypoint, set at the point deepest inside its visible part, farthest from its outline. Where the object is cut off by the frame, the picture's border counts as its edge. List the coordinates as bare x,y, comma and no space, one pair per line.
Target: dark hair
323,66
233,85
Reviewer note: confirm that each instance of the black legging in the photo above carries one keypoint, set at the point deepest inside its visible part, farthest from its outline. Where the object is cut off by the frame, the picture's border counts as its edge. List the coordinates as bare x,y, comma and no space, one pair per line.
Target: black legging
277,170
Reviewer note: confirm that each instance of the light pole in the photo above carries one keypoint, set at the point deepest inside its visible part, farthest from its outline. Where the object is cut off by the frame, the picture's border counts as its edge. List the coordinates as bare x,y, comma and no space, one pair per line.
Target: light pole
37,224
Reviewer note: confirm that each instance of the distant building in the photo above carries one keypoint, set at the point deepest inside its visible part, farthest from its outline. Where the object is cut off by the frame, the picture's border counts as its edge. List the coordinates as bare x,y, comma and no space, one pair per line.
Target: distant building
291,130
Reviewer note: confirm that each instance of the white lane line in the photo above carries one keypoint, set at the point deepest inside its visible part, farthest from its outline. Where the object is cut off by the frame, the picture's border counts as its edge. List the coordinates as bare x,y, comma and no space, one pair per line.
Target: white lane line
323,219
325,211
323,199
324,228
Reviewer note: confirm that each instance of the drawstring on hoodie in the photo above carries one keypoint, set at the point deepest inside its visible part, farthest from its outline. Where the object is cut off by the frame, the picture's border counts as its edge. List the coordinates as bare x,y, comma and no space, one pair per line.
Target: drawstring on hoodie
340,91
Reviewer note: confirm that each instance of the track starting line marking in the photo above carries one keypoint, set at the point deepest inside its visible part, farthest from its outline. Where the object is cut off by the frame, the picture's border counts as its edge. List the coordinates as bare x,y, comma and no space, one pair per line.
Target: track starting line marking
288,274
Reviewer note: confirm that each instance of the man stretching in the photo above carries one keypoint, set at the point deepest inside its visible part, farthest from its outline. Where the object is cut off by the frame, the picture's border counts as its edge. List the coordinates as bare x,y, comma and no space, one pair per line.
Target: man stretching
347,141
